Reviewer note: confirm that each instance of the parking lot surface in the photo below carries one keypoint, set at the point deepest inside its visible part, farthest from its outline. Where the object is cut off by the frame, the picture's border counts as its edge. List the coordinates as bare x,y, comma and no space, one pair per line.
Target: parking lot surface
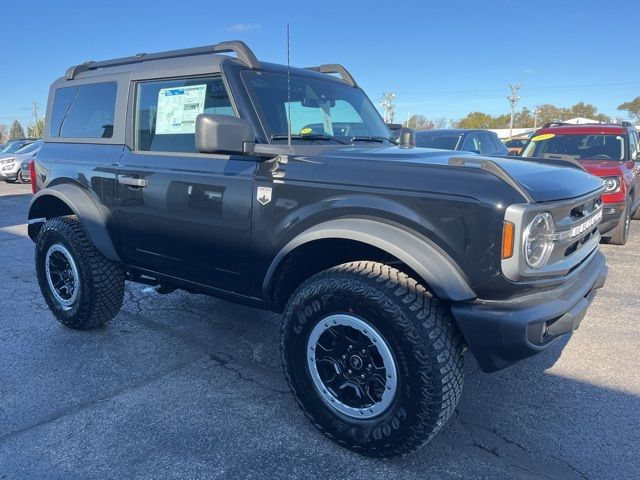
187,386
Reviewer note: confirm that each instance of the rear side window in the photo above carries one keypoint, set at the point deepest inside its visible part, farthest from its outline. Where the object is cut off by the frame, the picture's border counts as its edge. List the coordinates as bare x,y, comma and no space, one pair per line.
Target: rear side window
84,111
61,103
166,111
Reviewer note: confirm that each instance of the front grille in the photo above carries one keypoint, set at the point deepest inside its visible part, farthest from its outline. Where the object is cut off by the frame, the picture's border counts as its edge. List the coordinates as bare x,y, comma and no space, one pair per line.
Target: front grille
574,240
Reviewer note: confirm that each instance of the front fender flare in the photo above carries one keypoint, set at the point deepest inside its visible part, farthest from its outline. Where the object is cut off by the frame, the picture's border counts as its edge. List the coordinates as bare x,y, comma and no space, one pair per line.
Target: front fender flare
92,215
432,264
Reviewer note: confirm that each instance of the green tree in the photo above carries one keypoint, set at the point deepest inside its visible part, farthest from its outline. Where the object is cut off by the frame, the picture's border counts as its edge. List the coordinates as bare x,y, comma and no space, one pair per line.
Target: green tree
587,110
475,120
4,133
632,108
419,122
36,130
16,130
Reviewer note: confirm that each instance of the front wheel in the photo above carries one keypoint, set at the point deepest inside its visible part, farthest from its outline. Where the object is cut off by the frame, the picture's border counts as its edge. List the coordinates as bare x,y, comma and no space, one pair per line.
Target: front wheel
620,234
82,288
21,178
373,359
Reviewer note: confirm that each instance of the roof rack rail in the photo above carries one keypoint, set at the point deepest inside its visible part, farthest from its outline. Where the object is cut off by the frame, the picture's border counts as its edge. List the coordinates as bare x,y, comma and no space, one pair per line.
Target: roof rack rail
336,68
242,51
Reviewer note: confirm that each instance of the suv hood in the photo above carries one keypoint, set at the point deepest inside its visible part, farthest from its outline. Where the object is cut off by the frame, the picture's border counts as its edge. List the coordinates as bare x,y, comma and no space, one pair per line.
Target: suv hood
602,167
540,181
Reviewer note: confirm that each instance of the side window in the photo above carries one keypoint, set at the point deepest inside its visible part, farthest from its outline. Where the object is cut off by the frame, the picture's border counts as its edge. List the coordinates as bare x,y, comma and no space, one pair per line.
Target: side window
61,102
91,112
487,145
633,145
471,143
166,111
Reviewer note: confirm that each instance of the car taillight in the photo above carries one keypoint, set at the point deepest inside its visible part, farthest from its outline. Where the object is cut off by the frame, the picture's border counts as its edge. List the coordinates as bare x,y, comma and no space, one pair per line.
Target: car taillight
32,175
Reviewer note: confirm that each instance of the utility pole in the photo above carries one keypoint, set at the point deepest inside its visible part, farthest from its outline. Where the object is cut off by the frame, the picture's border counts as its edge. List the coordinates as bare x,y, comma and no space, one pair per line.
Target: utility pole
513,101
536,112
386,102
36,127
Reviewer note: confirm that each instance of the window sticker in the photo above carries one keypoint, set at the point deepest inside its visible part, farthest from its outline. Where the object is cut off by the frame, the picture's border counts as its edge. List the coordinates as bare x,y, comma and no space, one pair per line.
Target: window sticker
178,108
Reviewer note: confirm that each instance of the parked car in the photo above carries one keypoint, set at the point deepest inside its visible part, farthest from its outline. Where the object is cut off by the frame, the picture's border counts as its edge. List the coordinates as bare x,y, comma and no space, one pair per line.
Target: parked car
515,145
10,163
476,141
195,170
610,151
13,146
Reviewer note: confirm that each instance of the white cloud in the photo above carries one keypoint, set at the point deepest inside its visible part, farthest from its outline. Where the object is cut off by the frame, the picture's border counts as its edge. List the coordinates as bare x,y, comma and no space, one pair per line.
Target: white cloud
243,27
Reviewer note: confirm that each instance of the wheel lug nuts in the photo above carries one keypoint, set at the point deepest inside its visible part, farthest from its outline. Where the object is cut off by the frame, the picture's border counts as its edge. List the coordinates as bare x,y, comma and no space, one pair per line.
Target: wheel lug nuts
369,366
344,357
349,372
362,376
364,352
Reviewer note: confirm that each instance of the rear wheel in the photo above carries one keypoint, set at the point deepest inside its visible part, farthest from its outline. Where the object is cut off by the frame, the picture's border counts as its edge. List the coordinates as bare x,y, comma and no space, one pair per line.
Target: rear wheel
620,234
82,288
373,359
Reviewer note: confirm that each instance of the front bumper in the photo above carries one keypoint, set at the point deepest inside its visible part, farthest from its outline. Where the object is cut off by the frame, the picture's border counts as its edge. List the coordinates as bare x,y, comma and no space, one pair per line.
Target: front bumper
500,333
10,173
611,215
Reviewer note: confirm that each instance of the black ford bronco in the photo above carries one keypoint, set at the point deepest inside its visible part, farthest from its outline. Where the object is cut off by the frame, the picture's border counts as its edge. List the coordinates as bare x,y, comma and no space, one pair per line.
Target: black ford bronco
283,188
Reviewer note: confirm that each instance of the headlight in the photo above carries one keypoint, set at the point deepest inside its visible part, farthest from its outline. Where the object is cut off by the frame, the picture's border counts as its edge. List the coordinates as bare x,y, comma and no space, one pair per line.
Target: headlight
611,184
7,160
537,240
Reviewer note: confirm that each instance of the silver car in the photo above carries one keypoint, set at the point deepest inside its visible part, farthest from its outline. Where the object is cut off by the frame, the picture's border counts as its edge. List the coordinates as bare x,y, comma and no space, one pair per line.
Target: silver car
10,163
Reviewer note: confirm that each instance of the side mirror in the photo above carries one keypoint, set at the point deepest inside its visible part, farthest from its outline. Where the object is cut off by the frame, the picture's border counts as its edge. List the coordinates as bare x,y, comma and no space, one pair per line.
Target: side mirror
407,137
223,133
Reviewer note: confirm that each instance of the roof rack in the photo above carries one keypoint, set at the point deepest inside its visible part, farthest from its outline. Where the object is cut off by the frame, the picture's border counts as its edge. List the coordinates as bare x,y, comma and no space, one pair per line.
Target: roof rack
560,124
242,51
336,68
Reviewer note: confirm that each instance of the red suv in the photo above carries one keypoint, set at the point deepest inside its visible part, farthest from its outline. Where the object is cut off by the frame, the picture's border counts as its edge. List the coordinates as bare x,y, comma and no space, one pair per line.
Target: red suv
610,151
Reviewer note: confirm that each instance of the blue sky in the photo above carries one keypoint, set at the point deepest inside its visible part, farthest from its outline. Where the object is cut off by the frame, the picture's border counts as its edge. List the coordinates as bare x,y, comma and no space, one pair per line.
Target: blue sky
442,59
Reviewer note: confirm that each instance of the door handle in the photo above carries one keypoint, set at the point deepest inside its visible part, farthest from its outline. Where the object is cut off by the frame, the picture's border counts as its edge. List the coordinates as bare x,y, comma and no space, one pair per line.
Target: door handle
132,182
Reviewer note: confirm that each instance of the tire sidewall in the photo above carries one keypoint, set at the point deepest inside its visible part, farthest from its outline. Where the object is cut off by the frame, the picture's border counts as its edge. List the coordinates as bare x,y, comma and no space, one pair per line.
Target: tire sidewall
57,232
307,308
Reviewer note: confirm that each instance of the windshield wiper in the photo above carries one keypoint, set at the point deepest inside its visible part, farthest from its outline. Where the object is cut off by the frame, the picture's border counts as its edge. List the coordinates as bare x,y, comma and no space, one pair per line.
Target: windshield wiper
314,136
368,138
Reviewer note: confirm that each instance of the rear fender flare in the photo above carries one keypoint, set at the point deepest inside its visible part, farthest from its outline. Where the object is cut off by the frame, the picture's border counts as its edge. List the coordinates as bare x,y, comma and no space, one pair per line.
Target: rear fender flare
93,216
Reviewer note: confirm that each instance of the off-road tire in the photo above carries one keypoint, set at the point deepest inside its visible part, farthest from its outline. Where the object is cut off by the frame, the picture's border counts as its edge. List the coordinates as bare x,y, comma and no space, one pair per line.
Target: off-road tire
620,234
636,214
101,281
419,330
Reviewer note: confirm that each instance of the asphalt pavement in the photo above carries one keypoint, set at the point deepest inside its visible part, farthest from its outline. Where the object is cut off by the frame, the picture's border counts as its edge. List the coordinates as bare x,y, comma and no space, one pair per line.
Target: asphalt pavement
187,386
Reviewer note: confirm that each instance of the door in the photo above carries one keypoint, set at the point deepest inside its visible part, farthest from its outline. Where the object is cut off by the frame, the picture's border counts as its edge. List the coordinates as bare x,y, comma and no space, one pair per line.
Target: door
182,213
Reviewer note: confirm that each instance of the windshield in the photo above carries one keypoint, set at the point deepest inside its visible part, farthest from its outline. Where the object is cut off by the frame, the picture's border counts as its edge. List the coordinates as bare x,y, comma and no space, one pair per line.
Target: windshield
580,147
321,110
443,141
13,147
29,148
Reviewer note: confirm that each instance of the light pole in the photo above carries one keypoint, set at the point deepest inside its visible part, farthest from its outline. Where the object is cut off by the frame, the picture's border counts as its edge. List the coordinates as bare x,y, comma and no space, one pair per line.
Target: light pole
513,101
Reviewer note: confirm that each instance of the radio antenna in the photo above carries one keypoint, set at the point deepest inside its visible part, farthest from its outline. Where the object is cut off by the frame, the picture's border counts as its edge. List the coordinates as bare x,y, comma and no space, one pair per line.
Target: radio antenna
288,87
